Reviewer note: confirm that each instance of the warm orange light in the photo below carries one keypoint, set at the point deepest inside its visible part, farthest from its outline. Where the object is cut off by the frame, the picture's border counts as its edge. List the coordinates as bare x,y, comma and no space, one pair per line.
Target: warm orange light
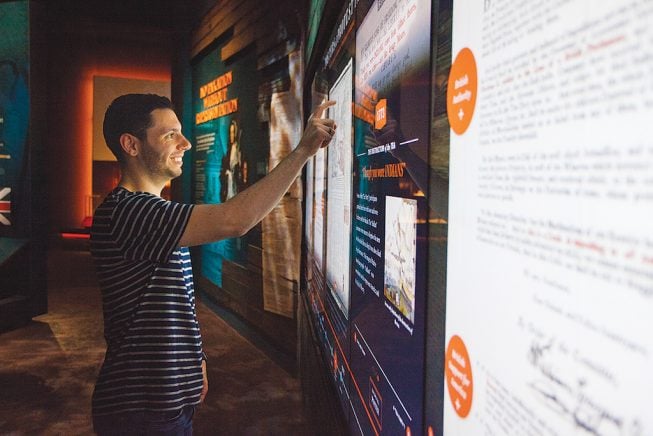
84,122
87,222
66,235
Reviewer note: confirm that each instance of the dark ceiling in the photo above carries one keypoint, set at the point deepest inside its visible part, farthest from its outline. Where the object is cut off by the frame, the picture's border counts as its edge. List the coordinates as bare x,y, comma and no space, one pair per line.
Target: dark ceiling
167,15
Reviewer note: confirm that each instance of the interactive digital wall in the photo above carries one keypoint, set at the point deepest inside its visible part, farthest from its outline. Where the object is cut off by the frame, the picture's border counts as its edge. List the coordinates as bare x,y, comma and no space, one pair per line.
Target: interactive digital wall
389,244
329,250
550,208
368,254
486,267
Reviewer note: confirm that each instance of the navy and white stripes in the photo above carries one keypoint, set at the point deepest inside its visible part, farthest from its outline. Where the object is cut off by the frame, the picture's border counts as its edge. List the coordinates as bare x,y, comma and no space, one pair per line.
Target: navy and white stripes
154,346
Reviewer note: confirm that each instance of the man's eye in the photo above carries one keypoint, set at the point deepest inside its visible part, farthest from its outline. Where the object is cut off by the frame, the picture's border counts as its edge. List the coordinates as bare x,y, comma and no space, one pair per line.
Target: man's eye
170,135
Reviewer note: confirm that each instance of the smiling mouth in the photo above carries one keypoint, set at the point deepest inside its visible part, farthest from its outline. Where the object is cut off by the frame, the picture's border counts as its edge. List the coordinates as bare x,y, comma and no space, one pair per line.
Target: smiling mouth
178,160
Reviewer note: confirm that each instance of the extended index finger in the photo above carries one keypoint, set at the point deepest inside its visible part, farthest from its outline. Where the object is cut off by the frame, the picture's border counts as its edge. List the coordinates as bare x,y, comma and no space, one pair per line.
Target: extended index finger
319,111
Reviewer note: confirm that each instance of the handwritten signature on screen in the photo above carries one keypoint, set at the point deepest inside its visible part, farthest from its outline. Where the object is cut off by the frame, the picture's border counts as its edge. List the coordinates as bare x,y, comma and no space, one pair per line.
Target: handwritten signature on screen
565,395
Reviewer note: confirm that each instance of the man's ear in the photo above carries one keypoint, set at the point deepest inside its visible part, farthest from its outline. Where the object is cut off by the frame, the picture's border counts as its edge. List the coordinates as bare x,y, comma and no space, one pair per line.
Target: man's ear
129,144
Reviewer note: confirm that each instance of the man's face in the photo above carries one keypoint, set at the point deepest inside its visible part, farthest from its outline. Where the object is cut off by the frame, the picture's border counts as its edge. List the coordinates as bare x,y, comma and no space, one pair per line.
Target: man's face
164,146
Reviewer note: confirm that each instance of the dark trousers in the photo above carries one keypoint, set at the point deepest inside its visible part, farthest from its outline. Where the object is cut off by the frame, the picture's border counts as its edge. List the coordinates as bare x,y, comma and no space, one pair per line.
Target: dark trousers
146,423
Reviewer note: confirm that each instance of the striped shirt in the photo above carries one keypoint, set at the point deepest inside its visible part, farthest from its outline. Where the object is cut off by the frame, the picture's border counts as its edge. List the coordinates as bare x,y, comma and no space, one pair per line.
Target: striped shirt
154,347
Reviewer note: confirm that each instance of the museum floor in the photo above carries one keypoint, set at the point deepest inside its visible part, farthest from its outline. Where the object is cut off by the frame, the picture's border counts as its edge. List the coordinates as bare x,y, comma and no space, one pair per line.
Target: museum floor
48,367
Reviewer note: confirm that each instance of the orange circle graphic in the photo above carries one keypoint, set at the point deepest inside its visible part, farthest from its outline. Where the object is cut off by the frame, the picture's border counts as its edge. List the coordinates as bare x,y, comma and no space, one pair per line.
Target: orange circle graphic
461,91
458,372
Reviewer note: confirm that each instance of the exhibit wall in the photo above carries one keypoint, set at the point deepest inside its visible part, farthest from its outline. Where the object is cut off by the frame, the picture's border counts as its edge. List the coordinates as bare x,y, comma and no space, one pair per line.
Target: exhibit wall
225,144
246,106
22,203
477,244
14,118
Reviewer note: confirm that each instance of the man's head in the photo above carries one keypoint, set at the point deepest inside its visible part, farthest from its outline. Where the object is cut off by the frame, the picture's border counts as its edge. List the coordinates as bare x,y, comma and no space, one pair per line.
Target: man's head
130,113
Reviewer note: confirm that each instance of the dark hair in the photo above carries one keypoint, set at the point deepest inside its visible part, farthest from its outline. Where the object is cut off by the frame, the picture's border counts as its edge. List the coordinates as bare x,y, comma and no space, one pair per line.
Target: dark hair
130,113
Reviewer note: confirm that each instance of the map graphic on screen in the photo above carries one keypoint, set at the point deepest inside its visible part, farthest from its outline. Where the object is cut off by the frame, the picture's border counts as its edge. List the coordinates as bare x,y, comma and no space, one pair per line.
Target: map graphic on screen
400,252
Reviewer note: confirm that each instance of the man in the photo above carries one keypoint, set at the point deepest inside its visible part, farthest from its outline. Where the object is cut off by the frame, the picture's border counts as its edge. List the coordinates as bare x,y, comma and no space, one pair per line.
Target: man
154,372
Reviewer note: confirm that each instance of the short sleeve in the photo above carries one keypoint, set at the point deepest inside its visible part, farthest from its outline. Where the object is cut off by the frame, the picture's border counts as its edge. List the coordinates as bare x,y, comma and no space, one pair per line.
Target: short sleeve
147,227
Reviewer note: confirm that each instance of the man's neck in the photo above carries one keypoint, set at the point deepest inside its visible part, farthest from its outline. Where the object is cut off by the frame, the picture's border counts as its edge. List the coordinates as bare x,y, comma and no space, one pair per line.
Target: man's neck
140,184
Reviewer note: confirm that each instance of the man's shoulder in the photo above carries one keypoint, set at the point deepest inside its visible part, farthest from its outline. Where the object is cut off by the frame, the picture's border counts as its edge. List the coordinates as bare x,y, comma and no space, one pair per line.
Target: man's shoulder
120,195
116,194
123,202
110,204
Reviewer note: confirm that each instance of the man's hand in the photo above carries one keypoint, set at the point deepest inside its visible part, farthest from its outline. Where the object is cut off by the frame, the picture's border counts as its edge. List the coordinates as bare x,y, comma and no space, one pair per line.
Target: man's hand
205,387
319,131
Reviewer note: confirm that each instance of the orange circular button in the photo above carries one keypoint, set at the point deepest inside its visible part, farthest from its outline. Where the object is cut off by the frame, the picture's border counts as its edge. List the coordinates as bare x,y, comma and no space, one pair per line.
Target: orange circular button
458,372
461,91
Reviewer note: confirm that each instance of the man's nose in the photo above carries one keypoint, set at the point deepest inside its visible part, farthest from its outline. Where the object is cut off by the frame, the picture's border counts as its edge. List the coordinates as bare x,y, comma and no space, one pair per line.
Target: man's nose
184,144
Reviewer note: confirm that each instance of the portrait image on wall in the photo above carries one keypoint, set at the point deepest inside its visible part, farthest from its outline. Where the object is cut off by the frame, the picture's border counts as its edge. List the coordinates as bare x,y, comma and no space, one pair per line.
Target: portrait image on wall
400,253
233,175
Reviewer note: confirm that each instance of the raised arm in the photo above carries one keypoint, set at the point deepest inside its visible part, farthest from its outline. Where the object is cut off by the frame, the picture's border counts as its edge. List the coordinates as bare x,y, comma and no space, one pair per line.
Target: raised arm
235,217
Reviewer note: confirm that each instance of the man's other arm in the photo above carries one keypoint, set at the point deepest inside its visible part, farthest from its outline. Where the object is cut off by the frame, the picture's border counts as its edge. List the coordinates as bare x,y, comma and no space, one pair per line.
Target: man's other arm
235,217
